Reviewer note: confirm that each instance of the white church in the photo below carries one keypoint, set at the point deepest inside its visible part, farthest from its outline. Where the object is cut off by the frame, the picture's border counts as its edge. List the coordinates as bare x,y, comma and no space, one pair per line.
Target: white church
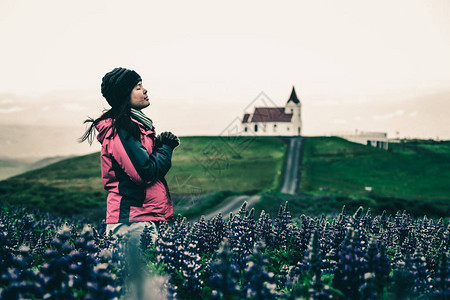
279,121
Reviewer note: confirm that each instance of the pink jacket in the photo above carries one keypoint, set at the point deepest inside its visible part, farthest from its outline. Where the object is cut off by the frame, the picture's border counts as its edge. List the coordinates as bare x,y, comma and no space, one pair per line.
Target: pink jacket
133,174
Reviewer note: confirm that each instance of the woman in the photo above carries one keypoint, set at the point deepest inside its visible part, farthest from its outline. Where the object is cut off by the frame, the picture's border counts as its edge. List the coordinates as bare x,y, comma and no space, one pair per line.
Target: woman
133,159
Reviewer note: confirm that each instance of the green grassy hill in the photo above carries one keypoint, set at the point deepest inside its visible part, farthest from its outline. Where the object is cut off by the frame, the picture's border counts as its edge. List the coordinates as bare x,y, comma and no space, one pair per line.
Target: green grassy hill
412,176
200,165
339,166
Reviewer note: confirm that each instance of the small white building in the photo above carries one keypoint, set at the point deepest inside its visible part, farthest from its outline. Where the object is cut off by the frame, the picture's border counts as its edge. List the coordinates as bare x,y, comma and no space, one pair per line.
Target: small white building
370,138
274,121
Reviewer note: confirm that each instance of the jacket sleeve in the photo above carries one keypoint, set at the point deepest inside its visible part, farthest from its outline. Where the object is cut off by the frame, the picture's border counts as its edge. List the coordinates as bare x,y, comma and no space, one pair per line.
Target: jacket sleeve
134,159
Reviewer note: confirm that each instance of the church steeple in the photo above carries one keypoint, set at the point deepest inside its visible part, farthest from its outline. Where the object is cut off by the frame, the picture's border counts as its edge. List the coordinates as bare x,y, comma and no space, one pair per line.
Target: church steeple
293,97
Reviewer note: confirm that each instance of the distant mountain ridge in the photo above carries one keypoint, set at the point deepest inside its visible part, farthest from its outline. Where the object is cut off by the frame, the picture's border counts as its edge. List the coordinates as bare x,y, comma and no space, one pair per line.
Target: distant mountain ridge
10,167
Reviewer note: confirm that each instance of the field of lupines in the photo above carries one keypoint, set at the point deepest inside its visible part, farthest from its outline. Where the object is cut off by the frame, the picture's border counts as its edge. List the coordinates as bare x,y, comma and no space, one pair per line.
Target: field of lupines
347,256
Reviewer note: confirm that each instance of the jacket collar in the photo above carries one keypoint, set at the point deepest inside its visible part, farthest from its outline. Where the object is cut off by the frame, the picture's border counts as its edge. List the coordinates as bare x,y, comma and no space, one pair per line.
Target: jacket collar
143,129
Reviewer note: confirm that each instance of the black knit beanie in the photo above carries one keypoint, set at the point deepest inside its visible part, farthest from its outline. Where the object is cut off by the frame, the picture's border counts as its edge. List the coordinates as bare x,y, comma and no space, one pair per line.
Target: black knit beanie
118,84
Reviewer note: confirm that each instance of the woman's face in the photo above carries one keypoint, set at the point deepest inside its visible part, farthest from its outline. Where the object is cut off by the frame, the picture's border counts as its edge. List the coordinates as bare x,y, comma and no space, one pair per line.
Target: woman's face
138,97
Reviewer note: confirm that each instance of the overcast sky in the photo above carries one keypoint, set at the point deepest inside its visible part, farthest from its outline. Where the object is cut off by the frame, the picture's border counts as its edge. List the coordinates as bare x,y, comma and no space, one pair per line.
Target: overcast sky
378,65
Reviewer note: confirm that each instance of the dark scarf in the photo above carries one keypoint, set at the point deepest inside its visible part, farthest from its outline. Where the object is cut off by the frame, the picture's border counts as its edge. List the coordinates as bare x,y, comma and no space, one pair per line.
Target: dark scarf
141,117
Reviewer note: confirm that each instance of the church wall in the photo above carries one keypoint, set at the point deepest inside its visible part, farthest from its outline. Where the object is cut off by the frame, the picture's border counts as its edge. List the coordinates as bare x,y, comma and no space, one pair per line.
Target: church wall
268,129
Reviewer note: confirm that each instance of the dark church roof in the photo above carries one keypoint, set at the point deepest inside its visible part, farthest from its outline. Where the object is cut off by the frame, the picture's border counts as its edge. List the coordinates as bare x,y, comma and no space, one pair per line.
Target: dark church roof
293,97
268,114
271,114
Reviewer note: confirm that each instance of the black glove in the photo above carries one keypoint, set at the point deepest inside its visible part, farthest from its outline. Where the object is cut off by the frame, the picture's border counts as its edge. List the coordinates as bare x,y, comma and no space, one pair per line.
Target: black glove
169,139
158,142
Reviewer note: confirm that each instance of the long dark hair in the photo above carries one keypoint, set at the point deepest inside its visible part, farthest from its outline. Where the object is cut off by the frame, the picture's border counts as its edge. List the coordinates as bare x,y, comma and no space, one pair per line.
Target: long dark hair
121,119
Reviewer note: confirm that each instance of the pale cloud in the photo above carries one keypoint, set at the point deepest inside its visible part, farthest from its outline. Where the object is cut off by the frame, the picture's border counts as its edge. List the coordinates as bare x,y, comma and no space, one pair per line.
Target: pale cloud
11,110
397,113
339,121
413,114
45,108
73,107
357,100
325,103
6,101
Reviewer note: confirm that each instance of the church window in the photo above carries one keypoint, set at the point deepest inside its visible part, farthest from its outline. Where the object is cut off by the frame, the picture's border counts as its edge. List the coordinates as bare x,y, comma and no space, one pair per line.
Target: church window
292,110
287,128
256,127
245,128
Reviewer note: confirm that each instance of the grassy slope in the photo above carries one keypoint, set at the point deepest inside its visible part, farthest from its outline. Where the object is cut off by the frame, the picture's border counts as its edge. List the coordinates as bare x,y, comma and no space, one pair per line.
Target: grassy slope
339,166
243,164
200,165
413,176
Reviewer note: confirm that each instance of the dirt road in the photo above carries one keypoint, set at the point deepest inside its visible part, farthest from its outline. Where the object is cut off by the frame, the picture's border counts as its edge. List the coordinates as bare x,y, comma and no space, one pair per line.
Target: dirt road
233,204
292,166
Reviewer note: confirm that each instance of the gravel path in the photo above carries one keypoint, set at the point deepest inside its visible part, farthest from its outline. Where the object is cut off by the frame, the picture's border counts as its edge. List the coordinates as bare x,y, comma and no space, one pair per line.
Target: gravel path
292,169
233,204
